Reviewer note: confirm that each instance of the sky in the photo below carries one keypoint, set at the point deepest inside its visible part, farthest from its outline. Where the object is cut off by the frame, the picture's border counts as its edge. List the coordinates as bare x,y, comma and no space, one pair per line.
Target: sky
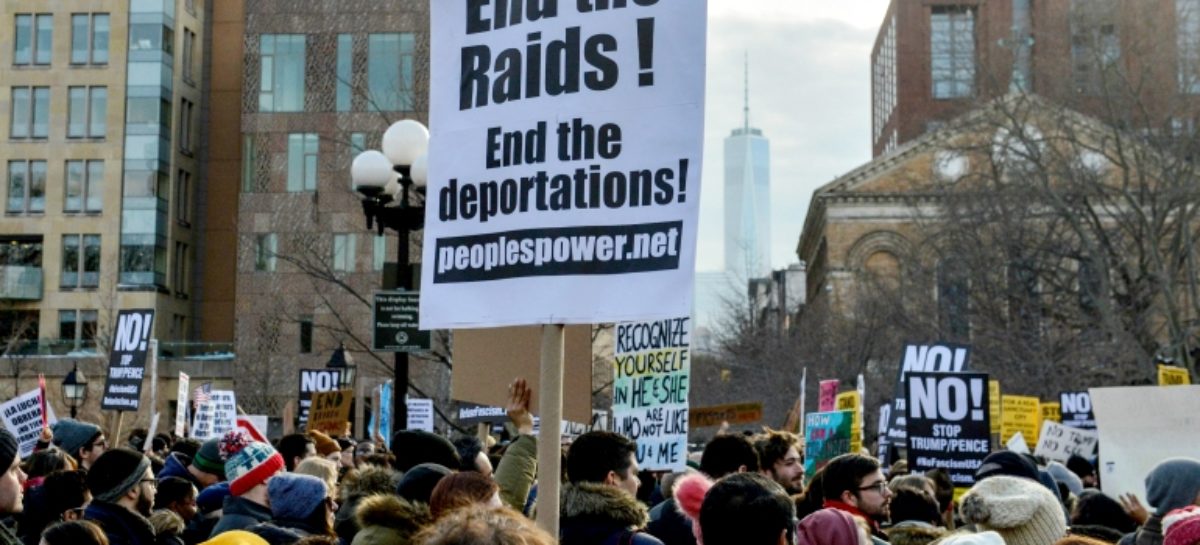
810,93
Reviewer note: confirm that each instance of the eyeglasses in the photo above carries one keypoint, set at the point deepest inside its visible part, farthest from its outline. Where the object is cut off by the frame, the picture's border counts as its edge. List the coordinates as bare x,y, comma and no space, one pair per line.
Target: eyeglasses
103,443
151,482
878,487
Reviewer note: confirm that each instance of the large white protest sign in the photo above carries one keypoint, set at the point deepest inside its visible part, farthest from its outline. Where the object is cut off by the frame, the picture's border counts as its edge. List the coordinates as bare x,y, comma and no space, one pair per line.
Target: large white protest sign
216,417
420,414
564,161
1059,442
1141,426
651,371
23,418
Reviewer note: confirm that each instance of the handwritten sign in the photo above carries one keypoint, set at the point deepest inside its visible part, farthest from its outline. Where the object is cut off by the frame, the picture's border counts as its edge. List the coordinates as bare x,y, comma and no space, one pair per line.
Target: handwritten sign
23,418
1021,414
330,411
215,417
827,435
1059,442
651,371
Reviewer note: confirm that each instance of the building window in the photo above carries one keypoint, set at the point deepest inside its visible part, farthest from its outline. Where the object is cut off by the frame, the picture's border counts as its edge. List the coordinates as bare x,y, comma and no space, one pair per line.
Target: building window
89,38
265,248
186,111
84,188
953,305
30,112
81,261
884,79
306,333
345,72
343,252
1187,36
1095,43
180,269
390,71
302,162
87,112
33,39
26,187
282,86
183,192
248,164
178,327
952,51
189,46
78,328
380,252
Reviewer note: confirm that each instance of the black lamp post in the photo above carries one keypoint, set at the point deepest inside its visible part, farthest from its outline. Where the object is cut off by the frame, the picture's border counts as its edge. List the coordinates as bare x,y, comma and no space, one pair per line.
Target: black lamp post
341,359
388,181
74,388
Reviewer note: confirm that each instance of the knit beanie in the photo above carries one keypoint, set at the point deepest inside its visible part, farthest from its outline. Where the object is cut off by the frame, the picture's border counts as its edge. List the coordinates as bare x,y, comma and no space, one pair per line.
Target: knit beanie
208,458
295,496
116,472
1172,484
1006,463
827,526
248,463
967,538
235,537
212,497
325,444
1080,466
1182,526
1063,475
8,449
1022,511
417,484
414,447
72,435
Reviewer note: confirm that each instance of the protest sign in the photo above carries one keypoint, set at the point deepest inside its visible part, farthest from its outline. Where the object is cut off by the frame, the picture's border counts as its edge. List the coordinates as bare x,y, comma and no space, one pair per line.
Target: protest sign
994,410
885,411
734,413
827,395
1017,443
330,411
487,360
181,405
470,414
651,371
395,315
827,435
1169,375
385,413
1051,411
255,425
24,417
1021,414
313,381
935,358
1076,410
127,360
1139,427
420,414
852,401
948,423
1059,442
564,162
215,417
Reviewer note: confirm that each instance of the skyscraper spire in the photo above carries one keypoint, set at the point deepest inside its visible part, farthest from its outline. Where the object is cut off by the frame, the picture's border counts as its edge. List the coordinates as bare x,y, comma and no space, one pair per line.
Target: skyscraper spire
746,101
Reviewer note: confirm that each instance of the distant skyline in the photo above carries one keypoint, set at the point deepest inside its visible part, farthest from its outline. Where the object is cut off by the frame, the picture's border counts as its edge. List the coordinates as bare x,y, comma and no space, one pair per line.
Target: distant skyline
810,91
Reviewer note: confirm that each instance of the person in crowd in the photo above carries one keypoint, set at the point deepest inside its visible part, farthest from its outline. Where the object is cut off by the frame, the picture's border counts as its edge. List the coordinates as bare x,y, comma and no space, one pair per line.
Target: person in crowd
236,537
321,468
416,485
855,483
208,513
1182,526
250,465
379,459
12,485
517,469
44,462
831,527
943,490
462,489
484,526
62,496
168,527
326,447
123,489
355,487
813,498
300,506
667,523
739,509
1008,463
916,519
415,447
346,461
727,454
1066,477
177,495
384,519
295,448
203,469
1172,484
918,482
1099,516
1021,510
362,450
1083,469
73,532
185,445
470,451
780,458
82,440
599,502
899,468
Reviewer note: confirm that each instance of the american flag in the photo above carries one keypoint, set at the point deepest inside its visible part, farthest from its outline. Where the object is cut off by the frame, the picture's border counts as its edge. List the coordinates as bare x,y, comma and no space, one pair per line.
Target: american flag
203,393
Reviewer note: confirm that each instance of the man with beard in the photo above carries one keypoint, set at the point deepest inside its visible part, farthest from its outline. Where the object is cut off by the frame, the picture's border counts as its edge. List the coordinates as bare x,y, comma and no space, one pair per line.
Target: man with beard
779,457
123,490
12,484
855,484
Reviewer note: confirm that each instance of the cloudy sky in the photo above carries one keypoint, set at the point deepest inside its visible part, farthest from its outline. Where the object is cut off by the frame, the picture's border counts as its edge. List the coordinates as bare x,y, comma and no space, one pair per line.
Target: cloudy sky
810,93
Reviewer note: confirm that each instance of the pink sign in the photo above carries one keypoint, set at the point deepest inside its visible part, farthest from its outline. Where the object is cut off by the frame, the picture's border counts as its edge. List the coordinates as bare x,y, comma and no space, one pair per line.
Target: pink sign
828,397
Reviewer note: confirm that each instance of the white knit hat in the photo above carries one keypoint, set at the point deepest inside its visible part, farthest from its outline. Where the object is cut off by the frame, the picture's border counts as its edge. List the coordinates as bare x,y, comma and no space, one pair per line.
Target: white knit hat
1022,511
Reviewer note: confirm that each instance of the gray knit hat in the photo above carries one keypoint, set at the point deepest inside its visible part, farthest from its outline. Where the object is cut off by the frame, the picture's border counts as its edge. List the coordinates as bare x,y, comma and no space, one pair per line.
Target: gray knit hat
1022,511
72,435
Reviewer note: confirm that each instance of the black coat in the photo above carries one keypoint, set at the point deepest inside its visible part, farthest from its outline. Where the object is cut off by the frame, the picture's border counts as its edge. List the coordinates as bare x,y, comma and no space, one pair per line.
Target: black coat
595,514
122,526
239,513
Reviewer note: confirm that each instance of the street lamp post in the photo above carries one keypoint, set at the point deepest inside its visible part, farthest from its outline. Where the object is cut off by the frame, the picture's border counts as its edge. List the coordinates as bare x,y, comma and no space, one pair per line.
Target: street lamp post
74,388
388,181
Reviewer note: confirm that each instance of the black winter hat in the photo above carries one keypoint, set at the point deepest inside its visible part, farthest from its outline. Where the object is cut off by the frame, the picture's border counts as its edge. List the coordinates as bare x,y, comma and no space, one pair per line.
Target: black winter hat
413,447
8,449
1080,466
417,484
116,472
1008,463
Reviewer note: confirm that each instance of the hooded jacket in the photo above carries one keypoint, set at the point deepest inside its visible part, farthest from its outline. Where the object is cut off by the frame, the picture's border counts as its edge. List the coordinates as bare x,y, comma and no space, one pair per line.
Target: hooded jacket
122,526
239,513
176,465
385,519
364,483
596,514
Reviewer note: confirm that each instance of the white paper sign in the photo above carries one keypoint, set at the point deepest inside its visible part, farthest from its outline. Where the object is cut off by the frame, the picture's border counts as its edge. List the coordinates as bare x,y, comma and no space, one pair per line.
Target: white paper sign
23,418
1059,442
1141,426
420,414
1016,443
651,375
181,405
564,162
217,417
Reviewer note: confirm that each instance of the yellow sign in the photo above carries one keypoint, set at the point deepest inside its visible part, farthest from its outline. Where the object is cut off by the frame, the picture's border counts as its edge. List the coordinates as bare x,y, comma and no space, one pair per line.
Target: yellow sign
1169,375
1021,414
1051,412
734,413
330,411
994,405
850,401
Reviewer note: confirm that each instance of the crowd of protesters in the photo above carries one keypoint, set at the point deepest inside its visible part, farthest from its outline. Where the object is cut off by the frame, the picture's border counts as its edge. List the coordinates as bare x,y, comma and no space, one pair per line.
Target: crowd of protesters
313,489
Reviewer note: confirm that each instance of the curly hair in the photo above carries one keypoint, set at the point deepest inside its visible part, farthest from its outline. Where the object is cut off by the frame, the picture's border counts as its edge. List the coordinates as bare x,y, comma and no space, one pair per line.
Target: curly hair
460,490
772,446
479,525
